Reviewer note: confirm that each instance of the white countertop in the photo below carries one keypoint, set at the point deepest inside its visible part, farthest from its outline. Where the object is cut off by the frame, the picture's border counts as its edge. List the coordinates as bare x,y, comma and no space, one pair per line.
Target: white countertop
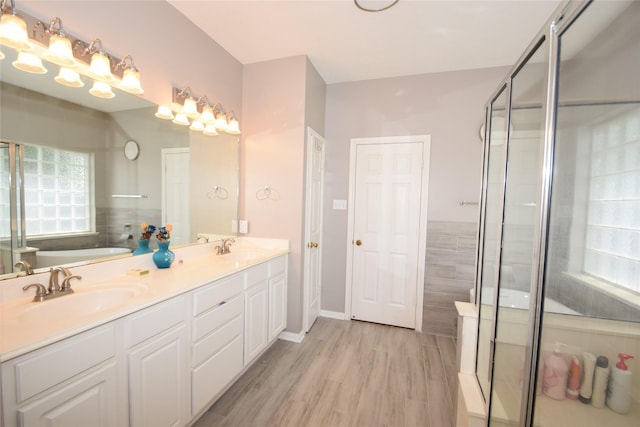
194,266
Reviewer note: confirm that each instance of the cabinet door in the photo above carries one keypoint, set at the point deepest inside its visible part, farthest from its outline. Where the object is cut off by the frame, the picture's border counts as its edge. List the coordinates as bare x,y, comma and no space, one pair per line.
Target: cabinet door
256,321
89,401
158,380
277,305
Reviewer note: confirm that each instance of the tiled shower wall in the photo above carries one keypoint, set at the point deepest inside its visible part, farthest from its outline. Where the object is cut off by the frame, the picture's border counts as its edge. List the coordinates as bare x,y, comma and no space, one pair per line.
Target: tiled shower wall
449,274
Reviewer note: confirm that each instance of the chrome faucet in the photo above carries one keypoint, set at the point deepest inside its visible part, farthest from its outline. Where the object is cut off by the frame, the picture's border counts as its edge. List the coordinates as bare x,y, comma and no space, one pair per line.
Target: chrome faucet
25,266
225,245
55,289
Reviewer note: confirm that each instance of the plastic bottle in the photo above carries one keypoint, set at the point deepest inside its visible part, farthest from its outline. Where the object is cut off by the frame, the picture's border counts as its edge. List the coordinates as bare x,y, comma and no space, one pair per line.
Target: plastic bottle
600,380
573,387
619,397
586,389
556,373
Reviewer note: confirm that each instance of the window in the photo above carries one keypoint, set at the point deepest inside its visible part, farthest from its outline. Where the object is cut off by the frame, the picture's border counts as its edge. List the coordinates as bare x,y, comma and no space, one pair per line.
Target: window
613,224
58,191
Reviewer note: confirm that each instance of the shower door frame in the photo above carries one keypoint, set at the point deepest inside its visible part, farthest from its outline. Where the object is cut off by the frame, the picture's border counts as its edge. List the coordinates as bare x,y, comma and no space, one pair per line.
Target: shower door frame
561,20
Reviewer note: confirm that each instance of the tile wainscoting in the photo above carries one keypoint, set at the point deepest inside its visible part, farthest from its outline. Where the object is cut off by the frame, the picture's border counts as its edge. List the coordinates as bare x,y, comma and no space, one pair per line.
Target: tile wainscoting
449,274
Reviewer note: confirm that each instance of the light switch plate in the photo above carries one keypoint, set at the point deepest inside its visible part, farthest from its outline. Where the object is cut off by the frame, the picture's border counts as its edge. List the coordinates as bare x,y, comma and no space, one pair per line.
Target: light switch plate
340,205
243,226
234,225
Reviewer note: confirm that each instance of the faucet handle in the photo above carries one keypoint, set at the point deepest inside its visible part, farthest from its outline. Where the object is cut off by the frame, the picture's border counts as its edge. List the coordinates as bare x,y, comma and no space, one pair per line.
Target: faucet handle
41,291
66,285
24,265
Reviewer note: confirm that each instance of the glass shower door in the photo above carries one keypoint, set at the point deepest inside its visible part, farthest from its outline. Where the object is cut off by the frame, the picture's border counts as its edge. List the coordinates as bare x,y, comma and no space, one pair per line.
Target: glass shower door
6,259
518,236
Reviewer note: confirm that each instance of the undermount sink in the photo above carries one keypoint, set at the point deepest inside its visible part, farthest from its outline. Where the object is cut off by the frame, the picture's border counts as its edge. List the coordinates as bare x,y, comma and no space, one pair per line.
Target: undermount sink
81,303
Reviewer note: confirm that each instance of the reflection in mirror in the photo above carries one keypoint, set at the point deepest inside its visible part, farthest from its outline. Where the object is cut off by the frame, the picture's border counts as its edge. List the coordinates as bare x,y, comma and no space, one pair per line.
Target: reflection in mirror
81,191
593,262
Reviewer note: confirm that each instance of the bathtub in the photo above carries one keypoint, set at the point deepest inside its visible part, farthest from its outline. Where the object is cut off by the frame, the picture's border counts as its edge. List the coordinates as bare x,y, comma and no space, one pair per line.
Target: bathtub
52,258
512,298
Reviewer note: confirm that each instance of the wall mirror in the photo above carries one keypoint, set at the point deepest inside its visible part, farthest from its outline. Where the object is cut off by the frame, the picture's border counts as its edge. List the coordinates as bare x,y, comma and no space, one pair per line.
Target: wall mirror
86,190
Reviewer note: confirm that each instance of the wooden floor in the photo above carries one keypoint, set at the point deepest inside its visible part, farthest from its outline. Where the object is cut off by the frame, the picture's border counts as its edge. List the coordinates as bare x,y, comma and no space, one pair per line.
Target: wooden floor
345,373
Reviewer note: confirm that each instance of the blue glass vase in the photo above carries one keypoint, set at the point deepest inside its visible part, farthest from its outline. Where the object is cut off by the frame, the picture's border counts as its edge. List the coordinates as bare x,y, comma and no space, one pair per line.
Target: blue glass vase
163,257
143,247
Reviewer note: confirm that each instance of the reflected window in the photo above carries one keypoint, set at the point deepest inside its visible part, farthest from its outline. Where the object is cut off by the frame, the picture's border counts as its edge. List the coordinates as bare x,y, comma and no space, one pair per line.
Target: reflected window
58,190
612,248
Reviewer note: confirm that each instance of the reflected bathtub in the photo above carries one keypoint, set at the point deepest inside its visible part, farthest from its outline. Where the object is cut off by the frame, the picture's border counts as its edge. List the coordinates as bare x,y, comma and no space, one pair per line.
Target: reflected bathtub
53,258
512,298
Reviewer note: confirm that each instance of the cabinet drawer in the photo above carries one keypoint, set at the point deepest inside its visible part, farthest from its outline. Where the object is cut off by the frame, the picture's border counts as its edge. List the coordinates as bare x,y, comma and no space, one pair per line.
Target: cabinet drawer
214,342
277,266
52,365
213,319
156,319
213,295
210,378
257,274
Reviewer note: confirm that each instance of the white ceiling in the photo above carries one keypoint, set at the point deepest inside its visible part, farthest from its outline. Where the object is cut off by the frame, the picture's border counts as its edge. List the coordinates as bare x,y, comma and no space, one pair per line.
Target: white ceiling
347,44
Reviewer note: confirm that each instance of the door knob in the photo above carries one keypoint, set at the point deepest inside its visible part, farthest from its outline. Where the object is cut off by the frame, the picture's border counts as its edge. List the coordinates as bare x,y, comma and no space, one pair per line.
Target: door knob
358,242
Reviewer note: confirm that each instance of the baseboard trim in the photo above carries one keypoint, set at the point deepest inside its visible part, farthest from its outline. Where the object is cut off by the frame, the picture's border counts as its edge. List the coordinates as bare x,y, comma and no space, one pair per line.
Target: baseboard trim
292,336
333,315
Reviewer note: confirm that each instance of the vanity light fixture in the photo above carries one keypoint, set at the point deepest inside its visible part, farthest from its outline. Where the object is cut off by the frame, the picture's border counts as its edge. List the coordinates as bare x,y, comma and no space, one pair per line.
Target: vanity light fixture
69,77
101,90
100,68
59,51
13,28
181,119
30,63
130,77
234,126
189,103
164,113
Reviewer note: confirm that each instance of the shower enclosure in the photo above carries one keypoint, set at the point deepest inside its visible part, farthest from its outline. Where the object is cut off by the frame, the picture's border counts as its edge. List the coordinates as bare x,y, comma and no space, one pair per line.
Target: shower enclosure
560,219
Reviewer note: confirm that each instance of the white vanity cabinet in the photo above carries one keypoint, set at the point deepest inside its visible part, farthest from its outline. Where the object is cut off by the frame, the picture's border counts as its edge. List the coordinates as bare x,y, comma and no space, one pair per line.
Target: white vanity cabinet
216,339
265,306
72,382
158,380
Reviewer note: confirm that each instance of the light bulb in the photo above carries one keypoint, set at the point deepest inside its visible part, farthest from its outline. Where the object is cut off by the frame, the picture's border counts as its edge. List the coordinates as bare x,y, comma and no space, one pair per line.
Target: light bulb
100,68
207,116
164,112
30,63
131,82
101,90
234,127
68,77
190,108
60,52
210,130
181,119
197,126
13,32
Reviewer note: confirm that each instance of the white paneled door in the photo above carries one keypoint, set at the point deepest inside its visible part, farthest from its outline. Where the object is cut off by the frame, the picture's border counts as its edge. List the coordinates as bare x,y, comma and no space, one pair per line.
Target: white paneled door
313,227
388,229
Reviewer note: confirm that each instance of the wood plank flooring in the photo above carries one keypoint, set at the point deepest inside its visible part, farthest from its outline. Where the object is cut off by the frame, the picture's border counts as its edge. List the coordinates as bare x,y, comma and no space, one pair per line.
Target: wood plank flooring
345,373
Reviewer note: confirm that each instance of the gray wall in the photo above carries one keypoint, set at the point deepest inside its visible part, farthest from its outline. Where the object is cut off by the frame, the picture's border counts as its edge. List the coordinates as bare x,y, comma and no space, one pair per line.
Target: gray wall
448,106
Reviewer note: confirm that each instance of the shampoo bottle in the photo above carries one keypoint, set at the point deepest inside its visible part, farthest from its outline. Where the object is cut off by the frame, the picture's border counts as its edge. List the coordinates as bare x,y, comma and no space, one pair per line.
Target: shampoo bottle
586,389
556,373
600,380
573,387
619,398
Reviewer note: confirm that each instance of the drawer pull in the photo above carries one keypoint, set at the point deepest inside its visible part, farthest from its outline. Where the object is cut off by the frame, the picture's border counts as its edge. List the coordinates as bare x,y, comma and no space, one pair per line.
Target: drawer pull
221,303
